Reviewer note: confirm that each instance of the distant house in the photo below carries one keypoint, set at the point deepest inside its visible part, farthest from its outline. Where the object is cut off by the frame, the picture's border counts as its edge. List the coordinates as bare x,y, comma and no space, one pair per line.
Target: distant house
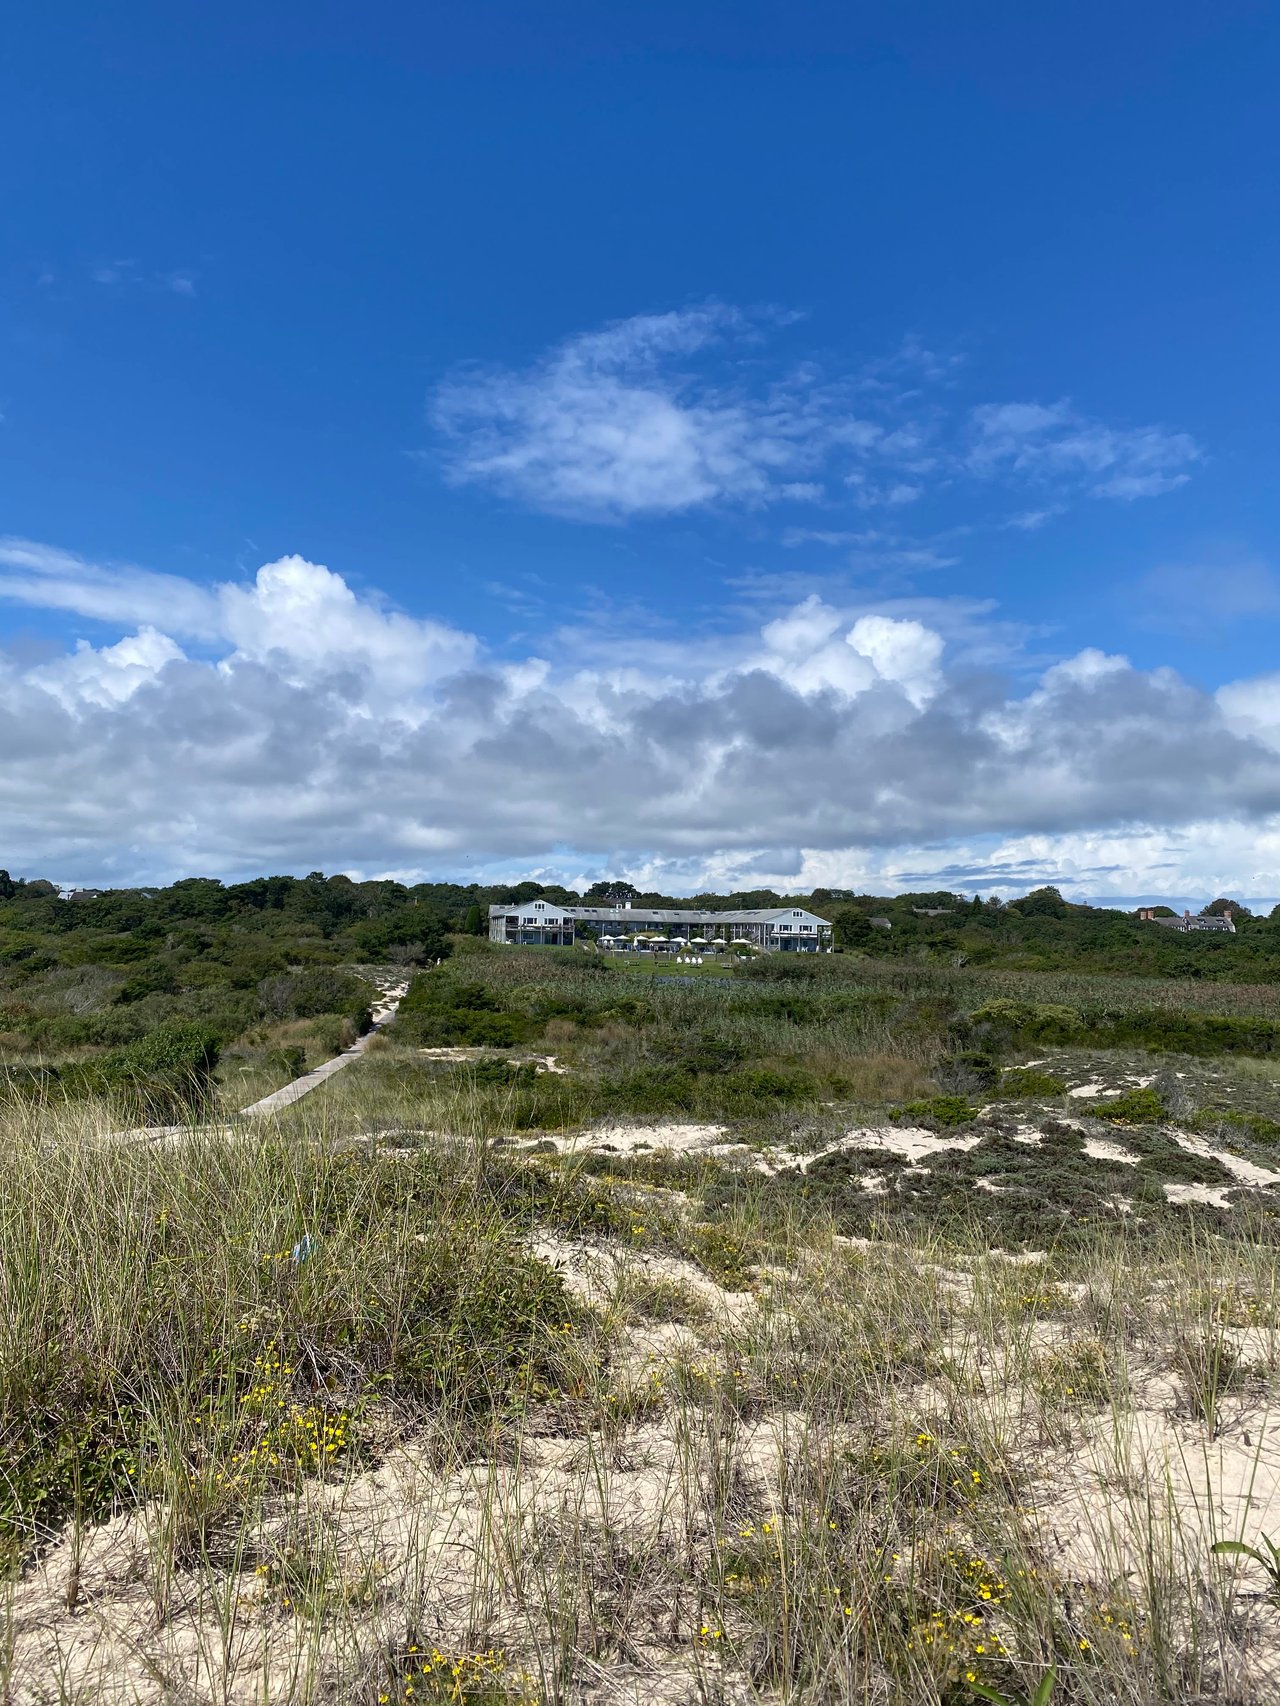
81,894
1200,921
881,924
660,929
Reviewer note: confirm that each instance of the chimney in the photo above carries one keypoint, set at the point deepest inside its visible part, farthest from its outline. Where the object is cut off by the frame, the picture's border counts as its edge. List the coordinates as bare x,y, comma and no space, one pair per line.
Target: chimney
1186,914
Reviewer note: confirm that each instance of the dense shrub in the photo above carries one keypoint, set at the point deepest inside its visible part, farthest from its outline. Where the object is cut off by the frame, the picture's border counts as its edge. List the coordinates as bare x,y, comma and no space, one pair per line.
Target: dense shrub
291,1060
152,980
782,968
1019,1081
1005,1023
1028,1023
1253,1125
968,1071
938,1110
436,1011
707,1052
1133,1107
323,989
165,1076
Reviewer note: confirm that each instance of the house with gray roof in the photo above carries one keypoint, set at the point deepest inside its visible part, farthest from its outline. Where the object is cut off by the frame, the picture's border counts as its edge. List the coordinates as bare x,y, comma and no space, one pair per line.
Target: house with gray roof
1188,921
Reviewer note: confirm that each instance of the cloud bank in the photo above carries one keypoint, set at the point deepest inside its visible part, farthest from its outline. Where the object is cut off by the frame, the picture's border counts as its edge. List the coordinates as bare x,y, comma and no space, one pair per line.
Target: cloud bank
290,722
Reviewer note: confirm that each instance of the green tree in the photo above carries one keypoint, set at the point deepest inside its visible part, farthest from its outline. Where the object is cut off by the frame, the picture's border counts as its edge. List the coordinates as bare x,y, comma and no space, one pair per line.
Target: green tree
852,929
1042,903
473,923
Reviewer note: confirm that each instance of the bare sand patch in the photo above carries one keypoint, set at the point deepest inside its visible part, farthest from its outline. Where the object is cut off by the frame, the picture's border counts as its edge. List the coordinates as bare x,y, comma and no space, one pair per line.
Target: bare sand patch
1247,1172
912,1143
462,1054
1101,1150
673,1139
1215,1196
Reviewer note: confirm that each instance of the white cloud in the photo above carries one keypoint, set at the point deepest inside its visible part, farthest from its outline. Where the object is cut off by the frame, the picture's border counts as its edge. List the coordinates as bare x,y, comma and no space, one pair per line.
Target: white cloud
1252,708
305,621
108,675
1054,444
296,616
113,272
666,413
607,426
1085,668
127,274
323,728
49,579
907,653
1193,863
1031,520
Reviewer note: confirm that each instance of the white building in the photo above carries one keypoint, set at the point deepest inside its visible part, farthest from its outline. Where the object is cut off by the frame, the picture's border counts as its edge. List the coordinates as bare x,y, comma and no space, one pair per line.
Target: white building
662,929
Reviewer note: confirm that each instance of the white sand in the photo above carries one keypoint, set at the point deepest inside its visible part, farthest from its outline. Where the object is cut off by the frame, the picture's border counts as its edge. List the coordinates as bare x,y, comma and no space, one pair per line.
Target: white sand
1246,1171
1101,1150
1217,1196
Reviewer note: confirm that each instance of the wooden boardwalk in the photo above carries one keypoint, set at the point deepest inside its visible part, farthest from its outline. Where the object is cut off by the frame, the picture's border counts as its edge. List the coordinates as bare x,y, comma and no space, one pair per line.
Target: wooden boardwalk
293,1092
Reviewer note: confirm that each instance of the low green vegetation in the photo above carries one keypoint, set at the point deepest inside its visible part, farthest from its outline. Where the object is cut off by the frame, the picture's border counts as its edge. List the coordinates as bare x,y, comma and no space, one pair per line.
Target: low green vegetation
1030,1024
165,1001
271,1295
858,1327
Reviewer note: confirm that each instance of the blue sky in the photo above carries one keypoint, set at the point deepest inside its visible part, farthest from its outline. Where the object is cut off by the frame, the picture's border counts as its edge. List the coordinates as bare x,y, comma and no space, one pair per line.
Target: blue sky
616,366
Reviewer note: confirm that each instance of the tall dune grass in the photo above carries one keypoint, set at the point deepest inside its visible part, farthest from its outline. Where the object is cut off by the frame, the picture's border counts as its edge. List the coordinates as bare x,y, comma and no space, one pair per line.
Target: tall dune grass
345,1404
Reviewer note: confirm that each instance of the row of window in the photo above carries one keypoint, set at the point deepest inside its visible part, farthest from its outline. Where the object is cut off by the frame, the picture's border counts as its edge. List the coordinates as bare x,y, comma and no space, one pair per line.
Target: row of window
782,929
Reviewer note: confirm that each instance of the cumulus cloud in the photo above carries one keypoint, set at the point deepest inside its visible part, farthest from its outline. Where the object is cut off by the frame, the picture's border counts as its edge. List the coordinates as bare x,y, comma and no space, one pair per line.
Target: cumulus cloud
109,675
665,413
319,727
296,617
305,622
1252,709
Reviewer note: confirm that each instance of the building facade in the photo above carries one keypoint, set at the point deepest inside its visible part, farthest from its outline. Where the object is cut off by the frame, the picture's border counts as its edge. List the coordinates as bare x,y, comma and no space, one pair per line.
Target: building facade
631,928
